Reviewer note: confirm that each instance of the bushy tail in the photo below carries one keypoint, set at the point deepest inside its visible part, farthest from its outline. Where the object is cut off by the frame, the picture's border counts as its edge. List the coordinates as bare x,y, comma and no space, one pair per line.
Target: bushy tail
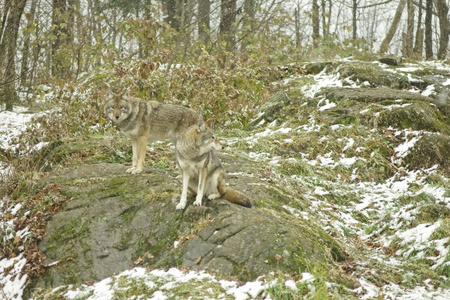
237,197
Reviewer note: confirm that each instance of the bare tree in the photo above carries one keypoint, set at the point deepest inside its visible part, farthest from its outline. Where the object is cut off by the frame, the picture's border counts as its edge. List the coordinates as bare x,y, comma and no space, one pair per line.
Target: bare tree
249,20
315,23
393,28
204,16
297,26
62,23
354,19
409,36
24,73
444,26
173,13
227,19
428,29
418,43
13,11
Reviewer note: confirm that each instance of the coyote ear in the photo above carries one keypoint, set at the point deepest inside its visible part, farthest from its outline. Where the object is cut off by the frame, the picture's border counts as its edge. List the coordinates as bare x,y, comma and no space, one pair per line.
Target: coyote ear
126,94
201,126
208,123
109,94
106,108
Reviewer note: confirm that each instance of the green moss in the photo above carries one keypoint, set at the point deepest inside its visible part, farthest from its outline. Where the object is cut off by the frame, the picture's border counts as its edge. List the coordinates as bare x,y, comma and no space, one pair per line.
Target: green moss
155,245
125,241
75,230
307,143
132,287
372,73
422,198
339,198
162,164
293,89
443,231
204,289
128,214
274,199
419,271
418,115
430,150
432,213
291,167
430,71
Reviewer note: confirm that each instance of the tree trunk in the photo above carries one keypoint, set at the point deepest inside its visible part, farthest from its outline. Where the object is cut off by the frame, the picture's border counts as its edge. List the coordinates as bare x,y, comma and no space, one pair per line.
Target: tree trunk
428,29
204,11
418,43
324,19
8,45
249,21
354,19
6,8
409,37
328,16
26,45
444,26
297,26
36,52
61,33
315,23
173,13
228,17
393,28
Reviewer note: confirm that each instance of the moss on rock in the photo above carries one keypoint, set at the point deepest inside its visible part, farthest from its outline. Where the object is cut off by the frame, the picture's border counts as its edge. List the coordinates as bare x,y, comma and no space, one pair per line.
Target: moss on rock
114,220
374,74
431,150
417,115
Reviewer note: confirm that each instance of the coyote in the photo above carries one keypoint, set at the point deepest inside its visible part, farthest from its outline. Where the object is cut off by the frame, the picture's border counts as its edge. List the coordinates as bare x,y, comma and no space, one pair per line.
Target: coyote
144,121
201,169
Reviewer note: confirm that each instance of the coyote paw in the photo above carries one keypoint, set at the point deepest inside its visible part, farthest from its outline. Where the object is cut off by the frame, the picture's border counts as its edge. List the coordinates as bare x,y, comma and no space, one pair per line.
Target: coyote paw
181,205
213,196
136,171
131,170
198,202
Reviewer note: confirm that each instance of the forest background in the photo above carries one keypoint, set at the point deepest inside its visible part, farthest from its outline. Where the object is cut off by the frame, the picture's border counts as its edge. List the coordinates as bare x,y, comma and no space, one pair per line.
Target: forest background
57,41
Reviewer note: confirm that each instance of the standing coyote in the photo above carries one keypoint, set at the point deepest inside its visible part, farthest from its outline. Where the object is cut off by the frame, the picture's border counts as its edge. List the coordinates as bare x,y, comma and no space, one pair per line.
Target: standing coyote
201,169
147,120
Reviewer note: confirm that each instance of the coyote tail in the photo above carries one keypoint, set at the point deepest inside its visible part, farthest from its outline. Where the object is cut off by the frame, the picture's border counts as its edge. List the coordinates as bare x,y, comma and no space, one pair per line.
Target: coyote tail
237,197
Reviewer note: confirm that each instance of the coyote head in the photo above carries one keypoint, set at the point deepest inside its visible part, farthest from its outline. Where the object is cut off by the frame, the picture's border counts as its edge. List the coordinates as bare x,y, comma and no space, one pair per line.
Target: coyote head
117,108
206,138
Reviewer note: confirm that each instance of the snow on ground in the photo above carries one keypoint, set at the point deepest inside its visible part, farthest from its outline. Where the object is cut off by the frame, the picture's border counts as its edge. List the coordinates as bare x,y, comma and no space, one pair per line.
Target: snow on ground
12,124
377,201
164,283
12,281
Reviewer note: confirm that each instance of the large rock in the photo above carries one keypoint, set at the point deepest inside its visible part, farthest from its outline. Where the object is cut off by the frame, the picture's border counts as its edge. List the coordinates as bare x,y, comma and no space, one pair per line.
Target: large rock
388,108
372,73
114,220
372,95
